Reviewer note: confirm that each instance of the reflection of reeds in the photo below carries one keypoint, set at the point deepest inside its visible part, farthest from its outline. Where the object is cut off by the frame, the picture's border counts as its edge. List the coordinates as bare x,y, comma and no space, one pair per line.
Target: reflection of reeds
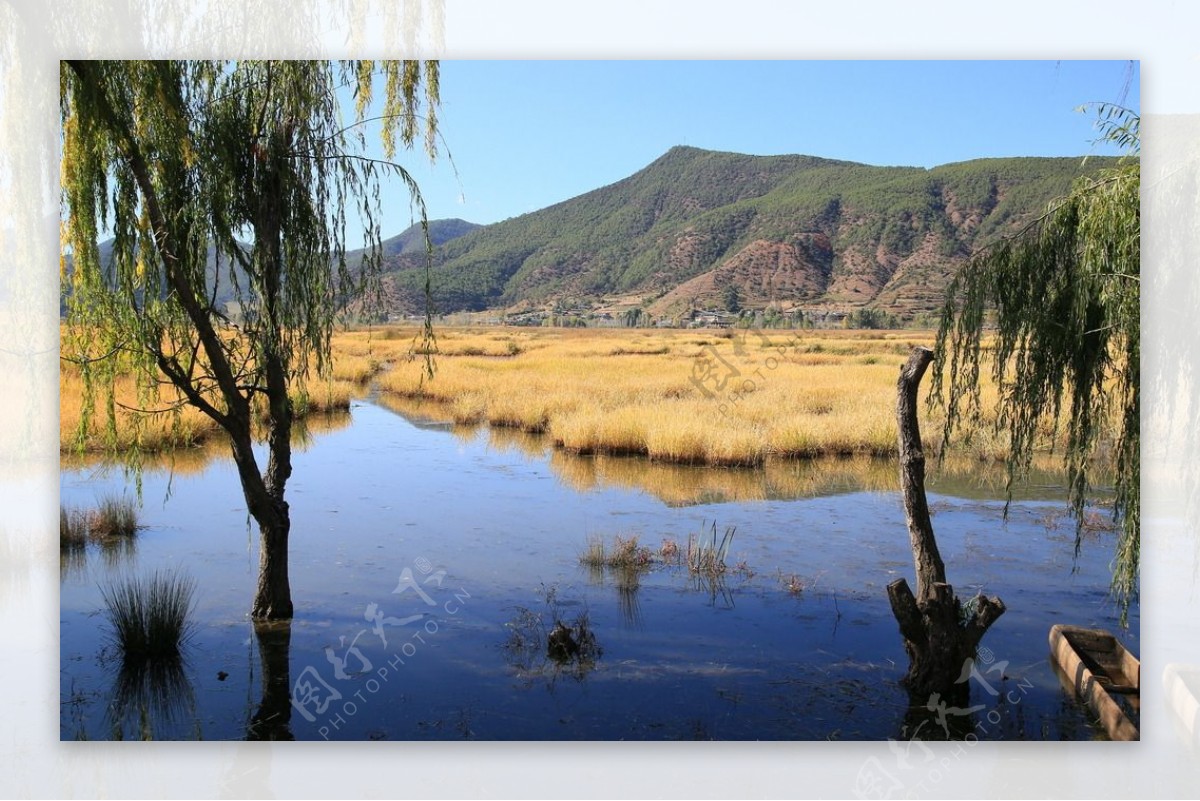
117,551
72,541
181,461
147,695
787,479
513,439
629,583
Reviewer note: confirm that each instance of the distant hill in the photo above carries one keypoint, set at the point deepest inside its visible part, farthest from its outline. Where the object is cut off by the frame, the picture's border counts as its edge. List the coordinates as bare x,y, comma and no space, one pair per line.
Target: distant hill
698,229
440,232
410,242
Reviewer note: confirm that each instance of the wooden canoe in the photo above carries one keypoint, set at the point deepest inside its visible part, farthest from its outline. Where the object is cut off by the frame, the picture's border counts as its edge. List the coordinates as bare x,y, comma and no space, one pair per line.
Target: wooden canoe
1100,671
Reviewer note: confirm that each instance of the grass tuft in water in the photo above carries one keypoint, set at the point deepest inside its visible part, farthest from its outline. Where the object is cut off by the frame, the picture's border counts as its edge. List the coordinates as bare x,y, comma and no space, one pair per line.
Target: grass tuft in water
150,618
116,516
706,554
72,529
626,552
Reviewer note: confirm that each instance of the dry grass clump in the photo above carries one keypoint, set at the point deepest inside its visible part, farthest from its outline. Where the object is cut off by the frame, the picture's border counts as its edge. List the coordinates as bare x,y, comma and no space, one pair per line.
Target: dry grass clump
112,526
323,396
626,552
72,529
116,516
355,369
669,550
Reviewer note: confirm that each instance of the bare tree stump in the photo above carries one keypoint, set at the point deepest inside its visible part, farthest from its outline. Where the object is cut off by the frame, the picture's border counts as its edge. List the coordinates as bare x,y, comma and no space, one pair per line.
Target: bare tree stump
940,632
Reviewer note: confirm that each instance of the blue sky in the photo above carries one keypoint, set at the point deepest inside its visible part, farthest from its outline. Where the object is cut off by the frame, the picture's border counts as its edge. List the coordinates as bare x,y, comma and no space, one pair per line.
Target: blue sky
527,134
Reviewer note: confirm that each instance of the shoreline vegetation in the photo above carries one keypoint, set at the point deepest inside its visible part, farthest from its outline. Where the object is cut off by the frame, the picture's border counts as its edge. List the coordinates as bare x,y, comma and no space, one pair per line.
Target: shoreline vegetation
715,397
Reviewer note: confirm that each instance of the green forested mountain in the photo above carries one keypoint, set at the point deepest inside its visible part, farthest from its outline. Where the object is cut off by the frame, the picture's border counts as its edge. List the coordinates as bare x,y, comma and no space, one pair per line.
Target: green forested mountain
698,229
702,229
412,241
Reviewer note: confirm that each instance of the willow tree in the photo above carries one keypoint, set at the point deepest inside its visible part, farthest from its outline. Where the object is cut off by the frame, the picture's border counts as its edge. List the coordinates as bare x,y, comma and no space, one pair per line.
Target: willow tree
257,162
1054,312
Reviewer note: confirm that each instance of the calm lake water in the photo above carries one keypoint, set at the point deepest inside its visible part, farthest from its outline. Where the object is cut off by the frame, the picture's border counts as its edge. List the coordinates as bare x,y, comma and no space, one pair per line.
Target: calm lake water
429,564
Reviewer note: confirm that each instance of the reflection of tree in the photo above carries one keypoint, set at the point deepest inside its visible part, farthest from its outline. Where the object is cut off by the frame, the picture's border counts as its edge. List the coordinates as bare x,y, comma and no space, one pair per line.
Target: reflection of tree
272,720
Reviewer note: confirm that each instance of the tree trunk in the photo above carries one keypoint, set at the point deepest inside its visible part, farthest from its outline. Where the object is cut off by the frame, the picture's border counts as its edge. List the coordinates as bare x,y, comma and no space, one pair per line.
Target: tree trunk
940,632
273,595
273,598
264,500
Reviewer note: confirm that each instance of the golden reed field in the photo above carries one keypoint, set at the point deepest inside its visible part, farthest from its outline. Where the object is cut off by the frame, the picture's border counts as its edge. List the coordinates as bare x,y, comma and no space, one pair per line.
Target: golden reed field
690,396
716,397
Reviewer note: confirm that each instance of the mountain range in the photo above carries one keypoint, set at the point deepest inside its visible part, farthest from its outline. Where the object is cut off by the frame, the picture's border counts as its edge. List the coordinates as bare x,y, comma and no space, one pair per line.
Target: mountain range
699,229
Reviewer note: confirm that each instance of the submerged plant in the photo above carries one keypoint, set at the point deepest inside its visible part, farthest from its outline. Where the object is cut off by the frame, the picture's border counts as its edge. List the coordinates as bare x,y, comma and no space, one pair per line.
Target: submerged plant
547,644
150,617
708,557
669,551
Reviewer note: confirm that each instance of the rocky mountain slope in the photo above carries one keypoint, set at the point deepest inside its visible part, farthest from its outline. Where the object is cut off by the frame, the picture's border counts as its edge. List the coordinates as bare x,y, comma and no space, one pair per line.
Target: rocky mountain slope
699,229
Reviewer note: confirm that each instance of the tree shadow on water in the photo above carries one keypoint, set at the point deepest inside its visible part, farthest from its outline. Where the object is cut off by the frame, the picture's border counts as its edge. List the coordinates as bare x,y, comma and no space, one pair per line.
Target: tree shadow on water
272,718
